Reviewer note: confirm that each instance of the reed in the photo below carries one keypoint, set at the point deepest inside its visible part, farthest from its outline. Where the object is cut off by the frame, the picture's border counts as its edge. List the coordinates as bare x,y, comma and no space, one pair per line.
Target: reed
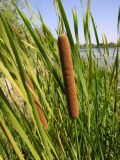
68,76
95,133
39,109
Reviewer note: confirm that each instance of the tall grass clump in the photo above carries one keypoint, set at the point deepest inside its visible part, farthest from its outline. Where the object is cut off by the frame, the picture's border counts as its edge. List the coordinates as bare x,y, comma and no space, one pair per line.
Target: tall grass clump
39,73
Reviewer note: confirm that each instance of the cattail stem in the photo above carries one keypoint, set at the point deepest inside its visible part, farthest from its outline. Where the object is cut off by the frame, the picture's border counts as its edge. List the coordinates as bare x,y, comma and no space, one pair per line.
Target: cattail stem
39,109
68,76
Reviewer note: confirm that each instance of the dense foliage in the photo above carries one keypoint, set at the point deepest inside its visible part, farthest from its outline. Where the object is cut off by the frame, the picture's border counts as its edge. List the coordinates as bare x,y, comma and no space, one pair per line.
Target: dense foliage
95,134
8,8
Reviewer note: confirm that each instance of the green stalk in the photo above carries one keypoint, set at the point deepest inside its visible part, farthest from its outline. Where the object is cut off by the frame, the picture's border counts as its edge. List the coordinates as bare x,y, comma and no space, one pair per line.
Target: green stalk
11,139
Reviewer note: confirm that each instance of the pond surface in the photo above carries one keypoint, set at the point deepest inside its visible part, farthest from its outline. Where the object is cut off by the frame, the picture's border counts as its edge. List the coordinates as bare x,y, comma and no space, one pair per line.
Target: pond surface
110,55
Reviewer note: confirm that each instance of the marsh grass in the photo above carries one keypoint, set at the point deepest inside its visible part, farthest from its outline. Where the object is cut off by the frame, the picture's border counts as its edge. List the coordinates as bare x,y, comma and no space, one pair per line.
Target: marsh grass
95,134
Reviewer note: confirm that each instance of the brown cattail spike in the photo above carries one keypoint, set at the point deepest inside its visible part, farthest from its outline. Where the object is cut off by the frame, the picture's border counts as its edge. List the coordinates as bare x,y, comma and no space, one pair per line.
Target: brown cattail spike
41,115
40,112
68,75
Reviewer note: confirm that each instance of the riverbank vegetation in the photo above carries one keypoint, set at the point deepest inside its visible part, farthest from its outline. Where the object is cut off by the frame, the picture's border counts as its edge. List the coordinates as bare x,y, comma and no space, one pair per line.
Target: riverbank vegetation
92,132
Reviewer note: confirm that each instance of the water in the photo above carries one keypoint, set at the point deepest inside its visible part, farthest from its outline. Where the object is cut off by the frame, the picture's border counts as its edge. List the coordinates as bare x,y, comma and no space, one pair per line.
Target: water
110,56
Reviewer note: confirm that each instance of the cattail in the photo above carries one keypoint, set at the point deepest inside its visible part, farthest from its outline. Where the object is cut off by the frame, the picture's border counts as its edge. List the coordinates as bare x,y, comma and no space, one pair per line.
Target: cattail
39,109
68,76
41,115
